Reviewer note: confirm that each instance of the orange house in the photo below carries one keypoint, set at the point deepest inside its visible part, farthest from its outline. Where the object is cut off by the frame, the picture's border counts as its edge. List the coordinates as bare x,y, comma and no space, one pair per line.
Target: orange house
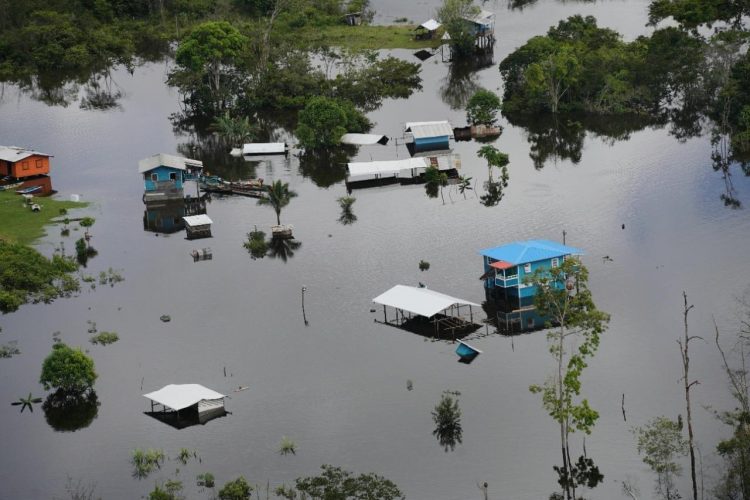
20,163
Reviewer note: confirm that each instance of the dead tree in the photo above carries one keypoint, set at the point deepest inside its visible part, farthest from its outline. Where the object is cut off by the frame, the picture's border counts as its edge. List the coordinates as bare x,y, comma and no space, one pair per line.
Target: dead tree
684,343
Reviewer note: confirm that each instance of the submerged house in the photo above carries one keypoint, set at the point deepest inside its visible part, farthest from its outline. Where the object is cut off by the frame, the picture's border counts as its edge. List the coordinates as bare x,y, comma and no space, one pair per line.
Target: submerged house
182,405
165,174
20,163
427,136
482,27
507,270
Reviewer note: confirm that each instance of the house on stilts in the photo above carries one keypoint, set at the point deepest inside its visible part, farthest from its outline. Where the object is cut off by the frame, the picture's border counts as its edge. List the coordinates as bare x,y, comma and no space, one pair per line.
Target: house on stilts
507,273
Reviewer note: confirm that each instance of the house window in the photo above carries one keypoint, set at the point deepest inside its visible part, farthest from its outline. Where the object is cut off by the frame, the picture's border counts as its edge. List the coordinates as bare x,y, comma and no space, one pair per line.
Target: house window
154,177
173,176
39,164
555,262
527,268
530,323
25,165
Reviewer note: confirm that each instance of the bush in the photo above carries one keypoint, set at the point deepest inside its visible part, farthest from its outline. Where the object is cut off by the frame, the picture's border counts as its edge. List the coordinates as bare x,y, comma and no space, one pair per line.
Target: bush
69,370
238,489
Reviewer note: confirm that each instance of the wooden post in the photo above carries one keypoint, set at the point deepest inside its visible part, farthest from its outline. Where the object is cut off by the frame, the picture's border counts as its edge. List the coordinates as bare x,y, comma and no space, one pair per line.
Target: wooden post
385,317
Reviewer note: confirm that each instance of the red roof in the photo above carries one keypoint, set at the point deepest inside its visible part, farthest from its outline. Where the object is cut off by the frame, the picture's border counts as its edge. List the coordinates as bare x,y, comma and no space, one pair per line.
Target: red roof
501,264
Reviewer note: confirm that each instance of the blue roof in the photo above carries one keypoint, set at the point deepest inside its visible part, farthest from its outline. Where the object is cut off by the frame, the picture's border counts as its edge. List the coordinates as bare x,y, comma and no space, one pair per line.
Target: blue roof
521,252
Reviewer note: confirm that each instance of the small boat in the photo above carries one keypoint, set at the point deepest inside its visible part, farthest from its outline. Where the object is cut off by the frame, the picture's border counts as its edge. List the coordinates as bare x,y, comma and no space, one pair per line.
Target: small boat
465,351
29,190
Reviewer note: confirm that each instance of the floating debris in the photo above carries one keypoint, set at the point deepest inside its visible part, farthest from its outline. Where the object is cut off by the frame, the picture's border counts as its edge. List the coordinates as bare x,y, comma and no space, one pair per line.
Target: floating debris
166,318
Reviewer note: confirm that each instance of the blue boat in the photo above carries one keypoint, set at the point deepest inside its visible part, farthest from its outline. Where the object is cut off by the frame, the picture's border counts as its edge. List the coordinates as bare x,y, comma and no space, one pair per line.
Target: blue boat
29,190
465,351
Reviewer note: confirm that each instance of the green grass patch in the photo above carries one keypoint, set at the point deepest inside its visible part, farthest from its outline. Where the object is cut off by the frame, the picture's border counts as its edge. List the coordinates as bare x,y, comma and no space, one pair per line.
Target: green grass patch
365,37
20,224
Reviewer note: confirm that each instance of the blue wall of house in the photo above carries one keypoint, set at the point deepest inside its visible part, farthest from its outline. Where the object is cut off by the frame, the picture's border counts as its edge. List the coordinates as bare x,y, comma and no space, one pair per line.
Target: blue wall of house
163,174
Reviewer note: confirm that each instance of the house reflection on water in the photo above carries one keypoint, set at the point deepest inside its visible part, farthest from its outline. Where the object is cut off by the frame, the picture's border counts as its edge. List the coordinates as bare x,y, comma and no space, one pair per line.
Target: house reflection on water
164,218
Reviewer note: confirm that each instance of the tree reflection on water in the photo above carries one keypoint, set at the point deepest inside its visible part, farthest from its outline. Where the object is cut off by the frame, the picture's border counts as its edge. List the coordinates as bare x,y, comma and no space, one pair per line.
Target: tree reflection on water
66,412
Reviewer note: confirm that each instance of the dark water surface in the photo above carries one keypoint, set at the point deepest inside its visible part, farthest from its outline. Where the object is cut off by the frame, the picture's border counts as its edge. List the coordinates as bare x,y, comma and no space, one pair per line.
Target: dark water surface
338,387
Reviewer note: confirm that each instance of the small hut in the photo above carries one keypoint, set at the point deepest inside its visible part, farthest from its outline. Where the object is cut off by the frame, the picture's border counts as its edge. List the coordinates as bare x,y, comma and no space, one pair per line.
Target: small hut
182,405
197,226
427,30
426,136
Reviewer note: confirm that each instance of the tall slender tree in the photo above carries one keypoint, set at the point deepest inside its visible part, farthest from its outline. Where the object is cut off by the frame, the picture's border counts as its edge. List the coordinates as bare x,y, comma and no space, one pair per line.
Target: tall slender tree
684,352
278,195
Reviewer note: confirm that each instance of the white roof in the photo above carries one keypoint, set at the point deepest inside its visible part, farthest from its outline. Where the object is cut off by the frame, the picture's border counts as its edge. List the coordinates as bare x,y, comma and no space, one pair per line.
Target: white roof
263,148
197,220
362,139
430,25
165,160
14,154
385,168
179,396
421,130
420,301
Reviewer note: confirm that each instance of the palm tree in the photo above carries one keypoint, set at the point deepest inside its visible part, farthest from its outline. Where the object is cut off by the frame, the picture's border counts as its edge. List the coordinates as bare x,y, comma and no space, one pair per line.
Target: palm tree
278,195
464,184
28,402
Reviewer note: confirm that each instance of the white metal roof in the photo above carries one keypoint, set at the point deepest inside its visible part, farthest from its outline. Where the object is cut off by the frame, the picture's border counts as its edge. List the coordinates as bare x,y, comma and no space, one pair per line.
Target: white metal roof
484,17
420,130
197,220
264,148
422,301
362,139
430,25
165,160
14,153
385,168
179,396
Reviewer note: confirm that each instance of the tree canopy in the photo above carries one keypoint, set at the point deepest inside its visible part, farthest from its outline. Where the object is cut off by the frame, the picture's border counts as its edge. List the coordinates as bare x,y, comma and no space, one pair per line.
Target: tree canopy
28,276
68,370
335,483
482,108
323,121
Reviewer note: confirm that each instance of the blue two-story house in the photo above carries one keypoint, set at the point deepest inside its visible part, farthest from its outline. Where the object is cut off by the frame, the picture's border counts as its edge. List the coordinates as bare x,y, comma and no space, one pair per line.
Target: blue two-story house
507,268
164,175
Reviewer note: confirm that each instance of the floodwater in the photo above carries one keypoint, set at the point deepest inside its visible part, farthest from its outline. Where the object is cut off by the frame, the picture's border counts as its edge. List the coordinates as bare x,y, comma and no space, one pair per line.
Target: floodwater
338,386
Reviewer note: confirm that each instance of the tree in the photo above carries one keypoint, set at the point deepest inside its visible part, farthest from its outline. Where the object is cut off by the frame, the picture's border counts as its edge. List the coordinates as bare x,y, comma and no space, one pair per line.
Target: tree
323,121
335,483
454,14
483,107
494,189
661,442
28,276
237,489
435,181
447,418
684,352
206,58
553,76
68,370
278,195
87,223
562,295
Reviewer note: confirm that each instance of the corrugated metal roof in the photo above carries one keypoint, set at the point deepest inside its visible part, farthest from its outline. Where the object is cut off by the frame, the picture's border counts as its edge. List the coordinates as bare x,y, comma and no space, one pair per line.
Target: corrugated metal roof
522,252
421,130
179,396
420,301
197,220
385,168
14,153
364,139
165,160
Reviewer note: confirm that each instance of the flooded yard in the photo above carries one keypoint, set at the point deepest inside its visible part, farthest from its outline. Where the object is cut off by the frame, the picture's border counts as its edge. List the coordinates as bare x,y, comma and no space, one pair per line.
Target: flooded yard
337,385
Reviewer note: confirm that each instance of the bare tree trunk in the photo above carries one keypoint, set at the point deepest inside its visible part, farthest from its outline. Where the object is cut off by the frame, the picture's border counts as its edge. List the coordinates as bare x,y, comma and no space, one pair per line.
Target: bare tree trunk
688,384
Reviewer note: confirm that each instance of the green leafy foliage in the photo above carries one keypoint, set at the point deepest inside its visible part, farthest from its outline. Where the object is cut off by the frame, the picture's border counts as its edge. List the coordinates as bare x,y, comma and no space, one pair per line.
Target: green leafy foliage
256,244
68,370
482,108
347,214
494,188
104,338
237,489
453,14
336,483
562,295
9,350
287,446
144,462
323,121
424,265
206,480
28,276
278,195
661,444
172,491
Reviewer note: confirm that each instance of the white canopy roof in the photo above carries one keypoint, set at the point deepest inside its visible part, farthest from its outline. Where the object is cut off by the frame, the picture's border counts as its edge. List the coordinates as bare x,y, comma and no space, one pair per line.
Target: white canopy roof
264,148
165,160
363,139
430,25
421,130
14,154
420,301
179,396
197,220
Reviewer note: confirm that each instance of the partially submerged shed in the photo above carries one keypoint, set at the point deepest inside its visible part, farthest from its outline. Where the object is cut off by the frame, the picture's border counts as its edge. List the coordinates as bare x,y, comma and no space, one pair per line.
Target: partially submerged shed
400,170
179,397
198,226
442,312
428,135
